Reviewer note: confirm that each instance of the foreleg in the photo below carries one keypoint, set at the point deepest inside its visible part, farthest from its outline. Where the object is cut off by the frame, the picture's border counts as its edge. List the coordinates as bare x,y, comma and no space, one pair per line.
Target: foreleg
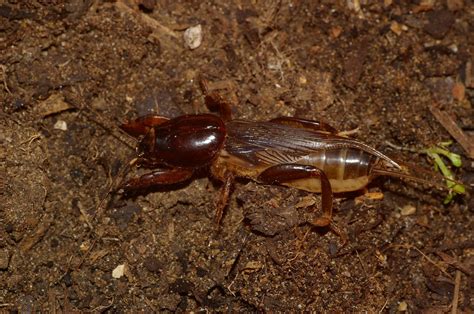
157,178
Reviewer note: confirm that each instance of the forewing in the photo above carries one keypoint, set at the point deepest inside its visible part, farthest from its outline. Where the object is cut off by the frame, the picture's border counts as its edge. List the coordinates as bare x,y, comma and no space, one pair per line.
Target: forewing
272,143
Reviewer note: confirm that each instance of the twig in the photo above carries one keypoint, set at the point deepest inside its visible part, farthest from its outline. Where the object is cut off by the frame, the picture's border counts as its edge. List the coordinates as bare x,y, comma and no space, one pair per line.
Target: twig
41,229
86,216
455,263
383,307
4,78
31,139
361,263
349,132
167,36
6,304
153,308
408,149
457,285
102,308
450,125
409,246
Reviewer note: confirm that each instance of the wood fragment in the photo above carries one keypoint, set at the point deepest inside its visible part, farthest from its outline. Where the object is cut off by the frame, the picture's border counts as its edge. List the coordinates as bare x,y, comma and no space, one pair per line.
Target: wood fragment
96,255
410,246
28,242
457,285
469,75
455,263
85,216
166,36
4,78
450,125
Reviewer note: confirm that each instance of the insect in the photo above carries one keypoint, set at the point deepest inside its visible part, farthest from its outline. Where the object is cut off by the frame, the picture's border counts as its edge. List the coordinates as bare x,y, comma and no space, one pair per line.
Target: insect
298,153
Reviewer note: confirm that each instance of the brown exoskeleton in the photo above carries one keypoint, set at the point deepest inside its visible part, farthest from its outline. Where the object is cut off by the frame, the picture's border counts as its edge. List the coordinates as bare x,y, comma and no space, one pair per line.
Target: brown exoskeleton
303,154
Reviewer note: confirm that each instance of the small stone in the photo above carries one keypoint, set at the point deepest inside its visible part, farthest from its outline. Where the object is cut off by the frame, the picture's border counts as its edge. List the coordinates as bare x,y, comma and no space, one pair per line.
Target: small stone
85,246
119,271
60,125
354,5
193,37
346,274
4,259
423,221
382,258
302,80
439,24
459,91
377,196
408,210
396,28
425,5
336,31
402,306
454,48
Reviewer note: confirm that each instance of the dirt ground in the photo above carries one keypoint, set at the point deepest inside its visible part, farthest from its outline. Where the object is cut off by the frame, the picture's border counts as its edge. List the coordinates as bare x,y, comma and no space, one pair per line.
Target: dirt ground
73,71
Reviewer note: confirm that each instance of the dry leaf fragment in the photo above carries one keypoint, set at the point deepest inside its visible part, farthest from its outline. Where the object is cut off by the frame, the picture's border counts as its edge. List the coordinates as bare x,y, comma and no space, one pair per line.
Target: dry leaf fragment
54,104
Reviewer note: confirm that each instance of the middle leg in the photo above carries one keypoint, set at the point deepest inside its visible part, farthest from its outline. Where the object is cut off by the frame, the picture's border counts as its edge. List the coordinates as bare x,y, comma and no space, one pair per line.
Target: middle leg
224,197
215,102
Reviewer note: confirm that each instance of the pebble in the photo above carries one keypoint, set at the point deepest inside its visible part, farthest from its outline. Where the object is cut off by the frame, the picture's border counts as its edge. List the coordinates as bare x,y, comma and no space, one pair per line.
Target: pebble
459,91
408,210
60,125
424,5
193,37
396,28
302,80
402,306
346,274
336,31
119,271
439,23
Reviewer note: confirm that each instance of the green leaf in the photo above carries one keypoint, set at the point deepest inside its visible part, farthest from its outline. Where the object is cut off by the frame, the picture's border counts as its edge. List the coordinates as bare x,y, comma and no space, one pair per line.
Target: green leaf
435,153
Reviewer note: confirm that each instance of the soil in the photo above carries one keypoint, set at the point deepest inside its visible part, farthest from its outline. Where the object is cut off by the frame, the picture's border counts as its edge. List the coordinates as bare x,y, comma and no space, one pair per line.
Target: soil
73,71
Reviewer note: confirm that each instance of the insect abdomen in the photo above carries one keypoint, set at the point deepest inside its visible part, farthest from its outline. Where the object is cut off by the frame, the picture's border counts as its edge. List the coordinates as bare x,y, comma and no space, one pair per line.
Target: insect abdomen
348,169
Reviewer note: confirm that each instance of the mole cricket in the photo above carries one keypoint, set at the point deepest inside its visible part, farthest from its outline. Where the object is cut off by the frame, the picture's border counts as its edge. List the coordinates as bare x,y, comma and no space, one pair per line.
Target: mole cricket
303,154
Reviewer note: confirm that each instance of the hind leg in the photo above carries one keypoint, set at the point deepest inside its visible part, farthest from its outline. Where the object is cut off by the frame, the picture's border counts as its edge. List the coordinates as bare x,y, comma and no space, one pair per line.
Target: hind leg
286,173
305,124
